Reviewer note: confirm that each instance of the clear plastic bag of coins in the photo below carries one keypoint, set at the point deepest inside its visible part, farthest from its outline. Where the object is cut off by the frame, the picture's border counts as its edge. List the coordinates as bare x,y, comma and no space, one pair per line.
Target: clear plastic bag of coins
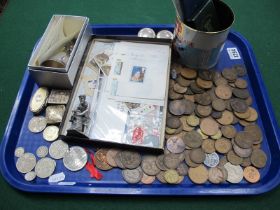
198,175
240,70
223,145
206,74
149,165
54,114
192,139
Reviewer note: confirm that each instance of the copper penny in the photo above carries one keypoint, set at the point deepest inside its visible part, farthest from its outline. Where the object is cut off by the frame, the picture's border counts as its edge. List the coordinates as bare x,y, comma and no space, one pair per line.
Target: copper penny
208,146
251,174
177,107
233,158
226,119
189,73
173,122
173,95
179,89
223,91
197,155
228,131
238,105
203,111
198,175
244,139
241,83
182,81
243,115
253,115
209,126
192,139
101,161
219,105
146,179
223,145
258,158
256,133
188,160
110,157
205,84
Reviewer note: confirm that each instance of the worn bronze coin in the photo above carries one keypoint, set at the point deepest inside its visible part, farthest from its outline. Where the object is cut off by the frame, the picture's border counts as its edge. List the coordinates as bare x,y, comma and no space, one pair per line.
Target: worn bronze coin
130,159
241,83
175,144
216,115
240,93
256,133
203,99
185,125
244,153
238,105
171,176
132,176
228,131
209,126
206,74
203,111
229,74
171,161
182,169
188,160
219,105
179,89
149,165
246,162
111,156
173,95
101,161
258,158
243,115
226,119
198,175
177,107
249,101
208,146
192,139
160,163
223,92
189,107
216,136
251,174
173,122
160,177
195,88
221,81
197,155
205,84
188,73
234,158
182,81
223,145
244,139
253,115
193,120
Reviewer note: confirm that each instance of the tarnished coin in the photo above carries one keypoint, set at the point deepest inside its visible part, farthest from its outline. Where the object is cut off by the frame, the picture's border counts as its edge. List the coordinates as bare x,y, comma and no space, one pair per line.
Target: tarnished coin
54,114
205,84
118,160
171,176
58,149
173,122
244,139
216,175
258,158
177,107
216,115
38,100
208,146
235,173
223,91
240,93
221,81
45,167
26,163
203,111
223,145
251,174
59,96
189,107
130,159
230,74
253,115
188,160
30,176
211,160
204,136
195,89
146,179
219,105
175,144
182,81
197,155
185,125
192,139
189,73
246,162
111,157
149,165
160,163
179,89
182,169
192,120
206,74
101,161
171,161
132,176
51,133
173,95
160,177
42,151
243,115
241,83
209,126
228,131
203,98
226,119
234,158
238,105
244,153
256,133
37,124
75,159
19,151
198,175
223,161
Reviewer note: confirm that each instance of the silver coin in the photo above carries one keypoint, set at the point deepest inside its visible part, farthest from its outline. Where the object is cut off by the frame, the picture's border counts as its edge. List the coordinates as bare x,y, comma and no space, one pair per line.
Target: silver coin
51,133
45,167
58,149
37,124
30,176
59,96
54,114
165,34
147,32
42,151
132,176
19,151
235,173
211,160
38,100
75,159
26,163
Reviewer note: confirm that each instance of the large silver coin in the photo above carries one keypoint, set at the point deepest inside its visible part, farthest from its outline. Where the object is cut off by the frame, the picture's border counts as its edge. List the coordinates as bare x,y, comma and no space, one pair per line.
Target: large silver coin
75,159
147,32
19,151
165,34
45,167
37,124
26,163
58,149
30,176
42,151
51,133
38,100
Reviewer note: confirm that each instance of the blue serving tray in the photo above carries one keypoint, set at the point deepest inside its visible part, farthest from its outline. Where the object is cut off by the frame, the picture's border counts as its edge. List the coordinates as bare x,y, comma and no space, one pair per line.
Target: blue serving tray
17,134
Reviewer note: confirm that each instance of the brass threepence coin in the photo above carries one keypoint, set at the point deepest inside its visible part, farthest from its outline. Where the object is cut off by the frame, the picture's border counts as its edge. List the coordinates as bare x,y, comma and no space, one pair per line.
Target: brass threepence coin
171,176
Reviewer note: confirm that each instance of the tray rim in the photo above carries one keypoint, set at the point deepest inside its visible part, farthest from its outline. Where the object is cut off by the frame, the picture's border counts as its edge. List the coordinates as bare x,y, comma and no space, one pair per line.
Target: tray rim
145,191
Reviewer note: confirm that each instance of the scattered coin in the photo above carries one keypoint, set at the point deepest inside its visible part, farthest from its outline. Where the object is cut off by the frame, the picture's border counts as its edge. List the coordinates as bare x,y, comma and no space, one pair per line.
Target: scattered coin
211,160
244,153
130,159
160,163
175,144
226,119
218,135
45,167
203,111
75,159
173,122
230,74
132,176
228,131
19,151
38,100
240,93
189,73
100,160
42,151
208,146
219,105
253,115
37,124
238,105
51,133
198,175
171,176
192,120
244,139
58,149
251,174
179,89
258,158
241,83
188,160
26,163
235,173
30,176
160,177
177,107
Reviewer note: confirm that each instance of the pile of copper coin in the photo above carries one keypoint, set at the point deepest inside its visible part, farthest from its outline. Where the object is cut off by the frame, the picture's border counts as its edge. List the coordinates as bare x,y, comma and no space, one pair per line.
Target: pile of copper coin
211,133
